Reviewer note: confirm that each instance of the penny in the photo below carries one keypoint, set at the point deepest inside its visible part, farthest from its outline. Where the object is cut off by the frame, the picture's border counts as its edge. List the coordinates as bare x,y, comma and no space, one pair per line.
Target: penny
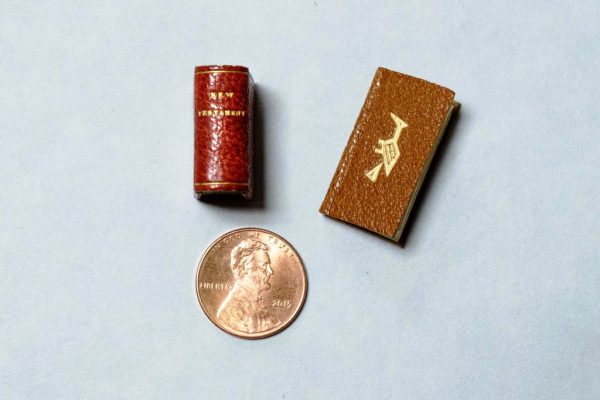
251,283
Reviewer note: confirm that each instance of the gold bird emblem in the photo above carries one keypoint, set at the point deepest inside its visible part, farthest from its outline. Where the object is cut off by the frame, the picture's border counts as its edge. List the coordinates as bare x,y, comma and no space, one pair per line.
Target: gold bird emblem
388,149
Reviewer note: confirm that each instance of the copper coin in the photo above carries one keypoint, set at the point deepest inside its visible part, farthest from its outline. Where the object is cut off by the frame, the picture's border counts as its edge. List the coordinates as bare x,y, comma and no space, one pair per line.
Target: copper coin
251,283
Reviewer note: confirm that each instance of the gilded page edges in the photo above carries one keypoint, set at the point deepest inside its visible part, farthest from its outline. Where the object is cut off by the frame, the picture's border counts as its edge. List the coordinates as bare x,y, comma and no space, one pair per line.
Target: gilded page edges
453,107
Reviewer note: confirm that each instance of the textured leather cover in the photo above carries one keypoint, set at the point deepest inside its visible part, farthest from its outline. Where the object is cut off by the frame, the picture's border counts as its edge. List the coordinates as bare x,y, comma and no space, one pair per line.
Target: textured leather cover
223,99
388,153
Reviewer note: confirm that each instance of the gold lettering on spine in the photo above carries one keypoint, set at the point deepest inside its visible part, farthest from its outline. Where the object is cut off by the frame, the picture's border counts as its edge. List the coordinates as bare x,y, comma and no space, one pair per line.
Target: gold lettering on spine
220,95
221,113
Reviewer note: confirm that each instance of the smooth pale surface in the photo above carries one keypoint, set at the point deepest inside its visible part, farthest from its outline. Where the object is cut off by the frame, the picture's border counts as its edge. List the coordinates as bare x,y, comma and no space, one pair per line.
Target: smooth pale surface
495,294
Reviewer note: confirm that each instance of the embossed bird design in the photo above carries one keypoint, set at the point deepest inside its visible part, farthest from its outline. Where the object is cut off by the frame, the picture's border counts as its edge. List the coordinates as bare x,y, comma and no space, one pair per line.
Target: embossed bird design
388,149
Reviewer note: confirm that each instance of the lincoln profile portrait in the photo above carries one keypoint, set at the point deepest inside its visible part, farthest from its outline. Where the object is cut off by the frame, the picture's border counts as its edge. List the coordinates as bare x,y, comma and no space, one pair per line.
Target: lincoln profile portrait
242,309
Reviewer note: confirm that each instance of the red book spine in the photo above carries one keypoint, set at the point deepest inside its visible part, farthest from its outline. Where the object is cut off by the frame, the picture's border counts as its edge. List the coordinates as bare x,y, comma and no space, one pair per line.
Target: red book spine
223,100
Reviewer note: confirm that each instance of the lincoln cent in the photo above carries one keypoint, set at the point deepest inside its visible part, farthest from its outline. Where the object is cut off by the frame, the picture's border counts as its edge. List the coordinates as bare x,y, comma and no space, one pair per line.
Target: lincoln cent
251,283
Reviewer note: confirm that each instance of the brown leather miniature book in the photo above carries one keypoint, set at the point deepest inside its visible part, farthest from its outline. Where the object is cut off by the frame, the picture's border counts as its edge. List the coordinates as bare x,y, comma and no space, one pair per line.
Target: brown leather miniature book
388,153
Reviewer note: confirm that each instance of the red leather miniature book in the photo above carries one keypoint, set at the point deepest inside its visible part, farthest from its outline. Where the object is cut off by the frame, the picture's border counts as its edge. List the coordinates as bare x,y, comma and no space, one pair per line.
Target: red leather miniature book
223,99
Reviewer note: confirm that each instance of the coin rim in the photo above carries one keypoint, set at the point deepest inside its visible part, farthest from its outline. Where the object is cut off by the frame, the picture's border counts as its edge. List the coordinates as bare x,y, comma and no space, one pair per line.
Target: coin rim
274,330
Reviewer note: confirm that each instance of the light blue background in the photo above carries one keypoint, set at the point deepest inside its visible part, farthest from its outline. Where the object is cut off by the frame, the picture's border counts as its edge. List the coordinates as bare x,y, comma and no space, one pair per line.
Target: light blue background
494,295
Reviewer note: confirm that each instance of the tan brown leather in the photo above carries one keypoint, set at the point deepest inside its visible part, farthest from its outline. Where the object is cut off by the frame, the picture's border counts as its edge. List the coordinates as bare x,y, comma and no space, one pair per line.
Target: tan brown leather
376,182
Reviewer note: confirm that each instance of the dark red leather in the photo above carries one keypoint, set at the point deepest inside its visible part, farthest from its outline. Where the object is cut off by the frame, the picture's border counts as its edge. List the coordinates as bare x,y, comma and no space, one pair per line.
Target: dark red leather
223,100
